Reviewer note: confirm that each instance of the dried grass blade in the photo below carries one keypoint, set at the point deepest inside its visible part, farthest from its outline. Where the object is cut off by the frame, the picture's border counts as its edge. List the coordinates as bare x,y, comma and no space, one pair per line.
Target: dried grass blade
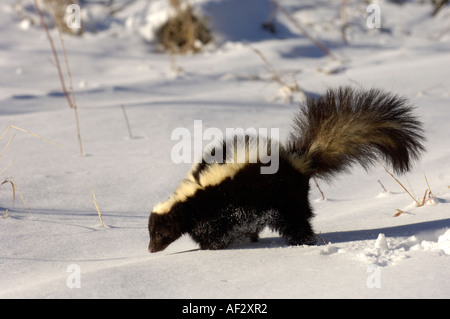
24,201
7,145
73,105
96,206
426,180
52,45
399,212
424,198
418,204
35,135
13,188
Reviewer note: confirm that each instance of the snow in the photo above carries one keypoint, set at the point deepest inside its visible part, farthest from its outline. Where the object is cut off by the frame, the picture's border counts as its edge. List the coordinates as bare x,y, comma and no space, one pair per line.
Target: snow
62,251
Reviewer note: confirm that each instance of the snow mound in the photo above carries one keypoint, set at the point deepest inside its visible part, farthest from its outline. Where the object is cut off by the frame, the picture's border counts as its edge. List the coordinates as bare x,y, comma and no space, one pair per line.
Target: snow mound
382,254
443,243
389,251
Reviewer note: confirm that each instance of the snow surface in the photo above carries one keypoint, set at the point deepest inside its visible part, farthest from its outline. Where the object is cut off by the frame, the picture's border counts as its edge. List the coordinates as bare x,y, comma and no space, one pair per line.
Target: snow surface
368,253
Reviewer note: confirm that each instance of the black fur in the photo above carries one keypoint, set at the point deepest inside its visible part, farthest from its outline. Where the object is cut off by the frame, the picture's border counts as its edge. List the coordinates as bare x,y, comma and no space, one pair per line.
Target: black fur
331,132
241,207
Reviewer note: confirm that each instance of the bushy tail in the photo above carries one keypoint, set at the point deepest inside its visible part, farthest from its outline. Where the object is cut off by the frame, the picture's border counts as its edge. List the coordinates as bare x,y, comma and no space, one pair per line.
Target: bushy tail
348,125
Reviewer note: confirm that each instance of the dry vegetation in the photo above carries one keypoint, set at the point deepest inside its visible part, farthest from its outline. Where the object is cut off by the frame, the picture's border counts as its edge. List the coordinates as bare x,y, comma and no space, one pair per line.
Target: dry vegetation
9,179
427,197
185,31
69,98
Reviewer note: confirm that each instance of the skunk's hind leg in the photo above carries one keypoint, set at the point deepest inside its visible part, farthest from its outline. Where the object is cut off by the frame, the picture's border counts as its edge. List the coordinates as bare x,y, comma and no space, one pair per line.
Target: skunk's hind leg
254,237
298,232
294,226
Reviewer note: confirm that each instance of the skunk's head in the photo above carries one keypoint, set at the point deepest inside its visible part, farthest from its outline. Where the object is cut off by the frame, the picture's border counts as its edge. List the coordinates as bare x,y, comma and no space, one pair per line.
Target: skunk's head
167,218
163,230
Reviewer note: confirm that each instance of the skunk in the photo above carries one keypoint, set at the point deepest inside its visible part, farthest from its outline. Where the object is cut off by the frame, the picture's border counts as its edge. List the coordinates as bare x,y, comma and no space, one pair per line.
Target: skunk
221,202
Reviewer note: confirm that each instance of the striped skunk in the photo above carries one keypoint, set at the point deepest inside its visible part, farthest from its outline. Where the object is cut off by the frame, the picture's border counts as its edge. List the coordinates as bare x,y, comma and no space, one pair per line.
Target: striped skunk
219,203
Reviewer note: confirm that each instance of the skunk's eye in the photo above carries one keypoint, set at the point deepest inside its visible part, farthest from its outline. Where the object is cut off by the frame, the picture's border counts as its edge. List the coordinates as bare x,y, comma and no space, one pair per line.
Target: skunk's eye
159,236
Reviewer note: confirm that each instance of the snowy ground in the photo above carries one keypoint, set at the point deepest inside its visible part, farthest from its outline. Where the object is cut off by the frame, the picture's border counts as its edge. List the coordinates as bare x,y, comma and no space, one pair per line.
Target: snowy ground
227,85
